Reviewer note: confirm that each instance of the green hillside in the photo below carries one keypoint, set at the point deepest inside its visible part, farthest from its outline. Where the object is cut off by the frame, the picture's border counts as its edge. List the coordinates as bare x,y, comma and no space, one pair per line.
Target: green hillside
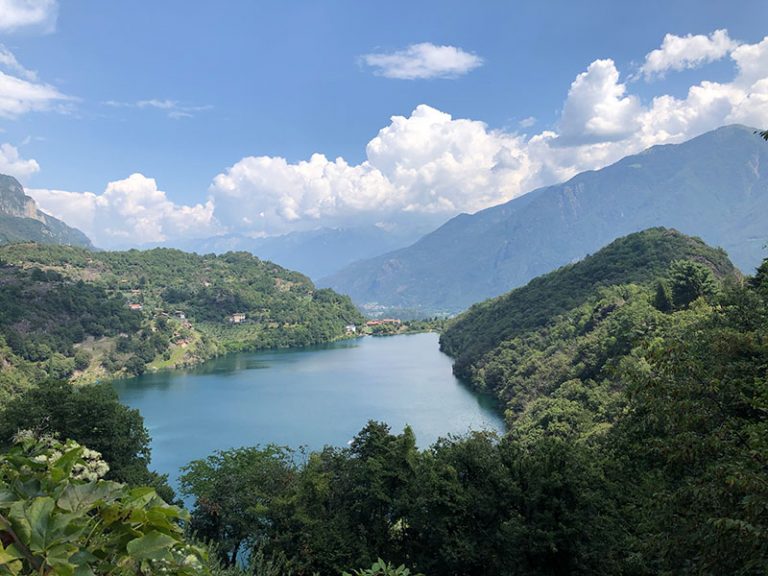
68,313
639,258
636,396
636,446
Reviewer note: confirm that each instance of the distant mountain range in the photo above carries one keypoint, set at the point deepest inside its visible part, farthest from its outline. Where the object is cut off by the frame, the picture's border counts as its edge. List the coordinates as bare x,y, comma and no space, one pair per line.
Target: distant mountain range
22,221
714,186
321,252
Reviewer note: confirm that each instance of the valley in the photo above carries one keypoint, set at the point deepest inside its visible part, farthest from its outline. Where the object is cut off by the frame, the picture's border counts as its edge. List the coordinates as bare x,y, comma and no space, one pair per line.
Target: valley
345,369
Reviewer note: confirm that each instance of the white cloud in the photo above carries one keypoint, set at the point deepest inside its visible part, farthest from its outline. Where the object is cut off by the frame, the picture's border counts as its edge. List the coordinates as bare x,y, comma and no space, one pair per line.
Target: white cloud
129,212
597,109
426,163
424,60
752,62
681,52
429,162
19,95
173,108
36,14
12,163
527,122
9,62
423,163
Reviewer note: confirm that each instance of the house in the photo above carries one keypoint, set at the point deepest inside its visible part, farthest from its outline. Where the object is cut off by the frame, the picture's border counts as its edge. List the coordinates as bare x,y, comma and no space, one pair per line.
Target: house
135,306
179,314
351,329
237,318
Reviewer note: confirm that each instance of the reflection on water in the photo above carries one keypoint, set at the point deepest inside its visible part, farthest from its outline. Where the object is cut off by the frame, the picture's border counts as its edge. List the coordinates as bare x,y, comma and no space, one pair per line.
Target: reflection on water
309,397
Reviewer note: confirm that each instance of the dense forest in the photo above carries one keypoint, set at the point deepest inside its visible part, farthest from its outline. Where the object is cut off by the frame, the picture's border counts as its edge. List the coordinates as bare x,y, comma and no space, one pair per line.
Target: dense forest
636,444
637,439
71,314
641,258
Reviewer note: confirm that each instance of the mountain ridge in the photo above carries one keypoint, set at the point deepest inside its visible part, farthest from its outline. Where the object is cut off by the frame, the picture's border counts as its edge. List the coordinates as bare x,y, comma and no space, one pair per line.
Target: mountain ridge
22,221
688,186
637,258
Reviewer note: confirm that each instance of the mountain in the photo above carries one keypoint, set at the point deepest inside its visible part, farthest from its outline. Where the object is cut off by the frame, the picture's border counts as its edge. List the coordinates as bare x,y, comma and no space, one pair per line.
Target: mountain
714,186
22,221
324,251
641,258
316,253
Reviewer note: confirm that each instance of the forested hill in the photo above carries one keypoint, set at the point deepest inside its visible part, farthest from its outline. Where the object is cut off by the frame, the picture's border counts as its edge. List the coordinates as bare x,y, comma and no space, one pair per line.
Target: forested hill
22,221
70,313
639,258
636,446
714,186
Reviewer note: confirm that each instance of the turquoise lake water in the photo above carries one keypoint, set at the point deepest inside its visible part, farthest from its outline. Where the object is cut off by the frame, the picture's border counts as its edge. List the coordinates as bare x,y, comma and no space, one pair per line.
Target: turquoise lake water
308,397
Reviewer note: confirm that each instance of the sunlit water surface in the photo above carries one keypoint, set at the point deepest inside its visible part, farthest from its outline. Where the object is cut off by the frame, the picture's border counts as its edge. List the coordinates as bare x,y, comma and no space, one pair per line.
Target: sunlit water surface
308,397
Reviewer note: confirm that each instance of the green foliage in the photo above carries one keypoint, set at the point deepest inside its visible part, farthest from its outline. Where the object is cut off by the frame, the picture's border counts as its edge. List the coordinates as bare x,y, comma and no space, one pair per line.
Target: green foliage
690,280
465,506
697,430
58,517
93,416
640,258
382,568
636,446
66,310
234,491
662,300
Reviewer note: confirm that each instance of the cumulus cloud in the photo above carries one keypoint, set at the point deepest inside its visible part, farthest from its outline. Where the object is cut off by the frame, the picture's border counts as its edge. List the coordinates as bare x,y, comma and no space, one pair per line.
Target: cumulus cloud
429,162
129,212
35,14
12,163
424,60
681,52
425,163
597,109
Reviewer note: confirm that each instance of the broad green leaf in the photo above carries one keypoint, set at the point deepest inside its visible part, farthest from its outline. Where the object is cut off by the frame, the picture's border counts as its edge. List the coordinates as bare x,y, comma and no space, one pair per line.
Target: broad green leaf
82,497
139,497
82,557
84,571
38,514
7,497
67,460
19,522
152,546
9,554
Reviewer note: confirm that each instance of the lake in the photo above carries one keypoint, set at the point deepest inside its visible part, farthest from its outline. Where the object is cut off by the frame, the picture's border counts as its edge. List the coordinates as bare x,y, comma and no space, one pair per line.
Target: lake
306,397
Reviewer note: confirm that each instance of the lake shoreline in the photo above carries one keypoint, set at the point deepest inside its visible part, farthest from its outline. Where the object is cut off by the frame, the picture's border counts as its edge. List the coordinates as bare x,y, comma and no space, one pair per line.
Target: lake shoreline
312,396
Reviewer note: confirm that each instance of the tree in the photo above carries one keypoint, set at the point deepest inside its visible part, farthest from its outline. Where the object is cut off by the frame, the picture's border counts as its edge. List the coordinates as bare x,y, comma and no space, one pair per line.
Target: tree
662,300
234,493
694,441
690,280
91,415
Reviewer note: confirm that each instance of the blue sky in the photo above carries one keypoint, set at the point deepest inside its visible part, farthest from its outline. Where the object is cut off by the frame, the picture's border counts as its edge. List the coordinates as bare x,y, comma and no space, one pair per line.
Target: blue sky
150,121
